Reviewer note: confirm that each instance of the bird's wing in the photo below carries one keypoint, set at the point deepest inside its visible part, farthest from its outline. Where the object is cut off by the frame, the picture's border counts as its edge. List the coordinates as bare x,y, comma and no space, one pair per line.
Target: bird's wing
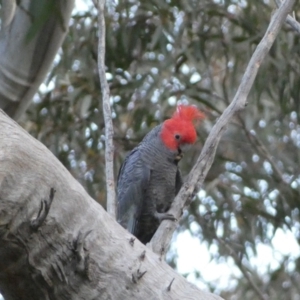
178,182
133,180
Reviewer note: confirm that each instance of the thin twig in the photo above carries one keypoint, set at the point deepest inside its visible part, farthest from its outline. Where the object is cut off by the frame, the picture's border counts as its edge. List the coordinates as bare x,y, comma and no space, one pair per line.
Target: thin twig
246,270
263,151
163,235
290,20
109,131
242,268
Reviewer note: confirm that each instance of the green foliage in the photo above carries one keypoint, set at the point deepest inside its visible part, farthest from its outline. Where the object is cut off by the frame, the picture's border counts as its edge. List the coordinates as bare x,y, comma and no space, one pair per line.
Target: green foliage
159,53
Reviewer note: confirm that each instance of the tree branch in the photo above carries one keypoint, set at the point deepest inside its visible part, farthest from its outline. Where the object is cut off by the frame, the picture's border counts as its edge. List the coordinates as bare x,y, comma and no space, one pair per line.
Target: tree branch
161,240
109,130
290,20
264,152
243,269
24,63
78,251
7,11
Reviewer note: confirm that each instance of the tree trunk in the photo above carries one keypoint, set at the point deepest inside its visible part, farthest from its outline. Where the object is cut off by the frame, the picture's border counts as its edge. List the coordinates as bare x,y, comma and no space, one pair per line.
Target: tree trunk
76,251
28,45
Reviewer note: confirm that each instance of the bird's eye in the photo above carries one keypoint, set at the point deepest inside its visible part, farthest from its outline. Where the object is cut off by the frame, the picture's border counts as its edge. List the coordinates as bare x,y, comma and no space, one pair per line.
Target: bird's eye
177,136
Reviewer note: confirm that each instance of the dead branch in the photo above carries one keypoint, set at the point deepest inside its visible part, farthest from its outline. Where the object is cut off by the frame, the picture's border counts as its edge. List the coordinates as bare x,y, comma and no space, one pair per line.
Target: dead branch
290,20
163,235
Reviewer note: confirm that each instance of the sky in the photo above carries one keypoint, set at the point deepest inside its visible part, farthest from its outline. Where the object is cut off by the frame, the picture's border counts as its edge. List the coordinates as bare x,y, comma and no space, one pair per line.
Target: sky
194,255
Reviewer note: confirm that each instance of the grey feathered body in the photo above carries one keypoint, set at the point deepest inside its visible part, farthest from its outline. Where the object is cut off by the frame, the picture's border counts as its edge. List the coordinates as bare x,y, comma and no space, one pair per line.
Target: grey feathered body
147,184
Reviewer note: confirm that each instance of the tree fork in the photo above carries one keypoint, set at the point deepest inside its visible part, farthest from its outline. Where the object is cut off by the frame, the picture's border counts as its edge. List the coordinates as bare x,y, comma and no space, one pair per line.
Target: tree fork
78,251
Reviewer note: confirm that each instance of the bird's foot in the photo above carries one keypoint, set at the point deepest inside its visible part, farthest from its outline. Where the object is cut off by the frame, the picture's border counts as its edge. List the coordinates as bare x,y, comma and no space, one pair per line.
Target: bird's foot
164,216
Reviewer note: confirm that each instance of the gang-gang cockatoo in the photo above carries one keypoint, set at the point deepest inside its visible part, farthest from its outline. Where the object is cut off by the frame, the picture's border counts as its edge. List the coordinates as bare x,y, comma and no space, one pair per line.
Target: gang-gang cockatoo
149,178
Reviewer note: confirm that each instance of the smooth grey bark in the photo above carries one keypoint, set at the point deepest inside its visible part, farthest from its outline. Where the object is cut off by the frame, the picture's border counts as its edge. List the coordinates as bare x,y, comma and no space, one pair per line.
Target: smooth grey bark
25,63
78,251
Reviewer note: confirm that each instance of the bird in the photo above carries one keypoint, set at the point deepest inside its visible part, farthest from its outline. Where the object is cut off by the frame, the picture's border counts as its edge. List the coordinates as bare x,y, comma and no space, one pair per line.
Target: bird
149,178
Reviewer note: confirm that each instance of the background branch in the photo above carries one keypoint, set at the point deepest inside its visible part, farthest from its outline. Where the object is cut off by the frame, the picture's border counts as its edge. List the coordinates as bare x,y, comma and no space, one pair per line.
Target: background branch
79,252
109,131
263,151
242,268
161,240
290,20
28,46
